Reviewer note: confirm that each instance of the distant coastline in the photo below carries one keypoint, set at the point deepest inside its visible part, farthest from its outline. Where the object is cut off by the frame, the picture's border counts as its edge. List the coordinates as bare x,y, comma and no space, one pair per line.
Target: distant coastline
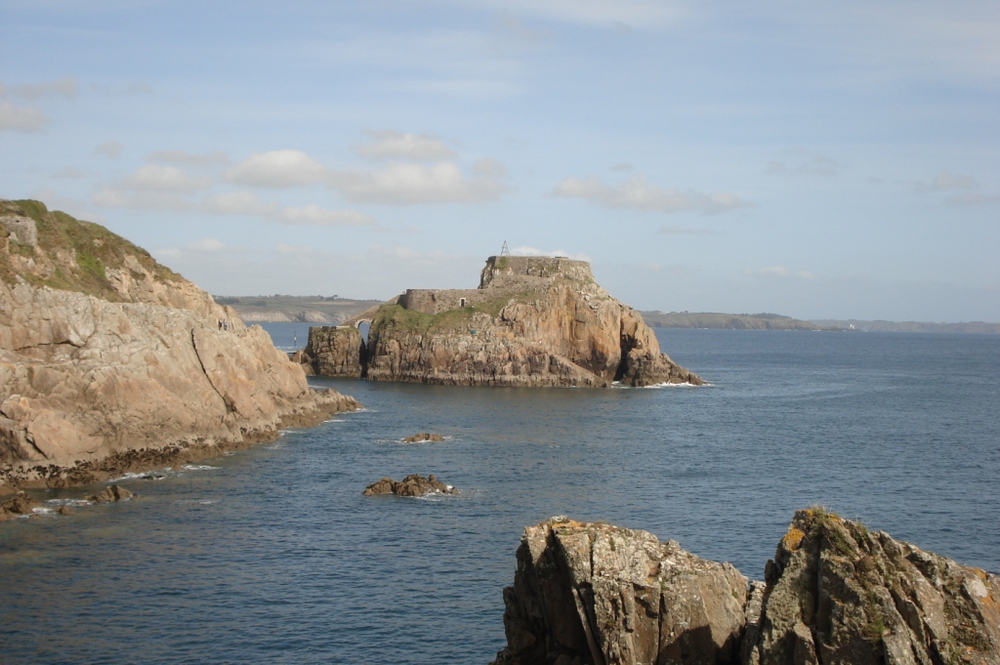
767,321
336,310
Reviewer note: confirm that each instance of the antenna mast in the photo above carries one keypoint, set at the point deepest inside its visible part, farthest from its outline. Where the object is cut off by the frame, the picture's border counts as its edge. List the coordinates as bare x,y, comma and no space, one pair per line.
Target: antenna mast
503,250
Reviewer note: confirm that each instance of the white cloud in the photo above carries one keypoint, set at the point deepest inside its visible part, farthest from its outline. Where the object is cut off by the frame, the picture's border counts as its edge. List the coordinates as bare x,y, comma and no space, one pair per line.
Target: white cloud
112,149
315,215
189,158
66,88
21,118
945,181
116,197
391,144
239,203
780,272
683,231
277,169
154,177
630,13
637,194
206,245
404,184
525,250
247,203
802,162
974,199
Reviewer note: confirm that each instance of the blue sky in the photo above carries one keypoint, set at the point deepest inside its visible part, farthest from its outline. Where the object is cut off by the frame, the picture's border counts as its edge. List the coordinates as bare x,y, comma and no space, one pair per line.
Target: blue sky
819,162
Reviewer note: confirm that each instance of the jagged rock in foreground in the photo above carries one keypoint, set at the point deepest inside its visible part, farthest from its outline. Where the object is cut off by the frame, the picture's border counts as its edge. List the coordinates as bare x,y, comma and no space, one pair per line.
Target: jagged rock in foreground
413,485
597,593
110,362
839,593
835,593
533,321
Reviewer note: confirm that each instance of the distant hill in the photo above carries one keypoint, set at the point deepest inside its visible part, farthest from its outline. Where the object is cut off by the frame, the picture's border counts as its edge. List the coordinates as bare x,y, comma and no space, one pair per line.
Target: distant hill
305,309
976,327
765,321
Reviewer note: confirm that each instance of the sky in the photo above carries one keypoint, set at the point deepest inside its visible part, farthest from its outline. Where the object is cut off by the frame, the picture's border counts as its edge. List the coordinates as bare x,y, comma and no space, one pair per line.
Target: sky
816,161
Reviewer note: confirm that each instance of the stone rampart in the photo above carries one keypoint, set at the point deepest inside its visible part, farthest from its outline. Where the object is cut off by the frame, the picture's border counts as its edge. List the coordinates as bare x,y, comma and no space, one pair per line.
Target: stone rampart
435,301
515,272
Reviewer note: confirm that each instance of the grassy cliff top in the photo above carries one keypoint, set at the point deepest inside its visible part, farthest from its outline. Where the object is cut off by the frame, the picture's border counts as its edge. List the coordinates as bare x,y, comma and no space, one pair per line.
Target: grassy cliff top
70,254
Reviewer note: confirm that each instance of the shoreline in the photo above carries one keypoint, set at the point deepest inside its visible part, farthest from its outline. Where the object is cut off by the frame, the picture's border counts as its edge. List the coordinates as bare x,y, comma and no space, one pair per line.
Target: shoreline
186,451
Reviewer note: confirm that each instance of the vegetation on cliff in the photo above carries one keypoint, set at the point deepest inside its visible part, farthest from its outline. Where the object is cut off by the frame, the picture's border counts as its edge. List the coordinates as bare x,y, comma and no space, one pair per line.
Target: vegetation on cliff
68,254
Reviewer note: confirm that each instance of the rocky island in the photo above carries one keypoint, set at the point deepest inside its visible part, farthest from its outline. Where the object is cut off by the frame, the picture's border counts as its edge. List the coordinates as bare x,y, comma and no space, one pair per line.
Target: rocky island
533,321
835,592
110,362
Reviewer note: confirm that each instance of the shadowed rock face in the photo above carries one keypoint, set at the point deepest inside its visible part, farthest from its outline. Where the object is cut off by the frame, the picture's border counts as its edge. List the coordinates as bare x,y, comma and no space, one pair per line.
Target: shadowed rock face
596,593
110,362
533,321
413,485
835,593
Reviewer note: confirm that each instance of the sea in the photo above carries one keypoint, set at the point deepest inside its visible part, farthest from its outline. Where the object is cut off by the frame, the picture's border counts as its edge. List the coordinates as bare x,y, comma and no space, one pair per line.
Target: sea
272,555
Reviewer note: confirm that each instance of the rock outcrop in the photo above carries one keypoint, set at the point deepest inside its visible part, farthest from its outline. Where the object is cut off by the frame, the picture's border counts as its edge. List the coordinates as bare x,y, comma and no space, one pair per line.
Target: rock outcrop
835,593
839,593
423,437
19,505
335,351
111,494
533,321
597,593
412,485
110,362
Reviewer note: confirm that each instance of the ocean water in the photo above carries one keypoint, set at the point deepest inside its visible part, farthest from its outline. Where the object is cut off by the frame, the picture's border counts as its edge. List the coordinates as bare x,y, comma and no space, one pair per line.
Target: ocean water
273,556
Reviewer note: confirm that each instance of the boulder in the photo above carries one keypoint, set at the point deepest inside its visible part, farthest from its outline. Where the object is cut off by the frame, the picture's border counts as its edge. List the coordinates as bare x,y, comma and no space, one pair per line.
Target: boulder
413,485
423,437
597,593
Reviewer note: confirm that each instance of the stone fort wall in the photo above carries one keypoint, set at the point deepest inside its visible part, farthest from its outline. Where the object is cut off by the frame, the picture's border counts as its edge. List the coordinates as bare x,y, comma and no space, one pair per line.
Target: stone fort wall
502,274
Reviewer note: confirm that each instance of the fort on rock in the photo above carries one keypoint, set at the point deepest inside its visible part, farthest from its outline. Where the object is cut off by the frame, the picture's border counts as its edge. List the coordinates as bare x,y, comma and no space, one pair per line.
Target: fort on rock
533,321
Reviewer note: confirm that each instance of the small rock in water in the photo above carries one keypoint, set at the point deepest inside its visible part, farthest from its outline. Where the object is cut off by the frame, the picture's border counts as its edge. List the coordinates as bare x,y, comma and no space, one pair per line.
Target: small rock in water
412,485
20,504
65,510
423,436
110,494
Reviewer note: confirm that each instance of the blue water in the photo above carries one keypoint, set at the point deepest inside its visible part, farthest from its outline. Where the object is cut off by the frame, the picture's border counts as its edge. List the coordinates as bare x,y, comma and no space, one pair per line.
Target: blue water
273,556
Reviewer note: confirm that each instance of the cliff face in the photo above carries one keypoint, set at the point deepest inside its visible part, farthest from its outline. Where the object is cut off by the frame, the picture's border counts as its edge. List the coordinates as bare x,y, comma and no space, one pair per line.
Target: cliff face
533,321
109,361
835,593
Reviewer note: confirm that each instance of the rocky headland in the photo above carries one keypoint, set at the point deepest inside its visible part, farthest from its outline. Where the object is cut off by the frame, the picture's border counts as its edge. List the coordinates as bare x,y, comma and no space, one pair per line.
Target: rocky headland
835,592
110,362
533,321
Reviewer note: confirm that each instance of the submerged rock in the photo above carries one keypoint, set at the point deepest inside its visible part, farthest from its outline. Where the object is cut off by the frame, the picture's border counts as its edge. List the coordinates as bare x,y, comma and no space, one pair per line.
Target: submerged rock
423,437
835,593
110,362
412,485
533,321
19,504
111,494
